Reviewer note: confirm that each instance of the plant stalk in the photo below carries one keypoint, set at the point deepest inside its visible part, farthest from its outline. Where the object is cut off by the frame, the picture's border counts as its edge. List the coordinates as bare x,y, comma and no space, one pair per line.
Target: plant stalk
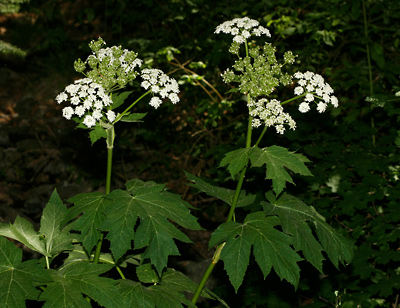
229,218
110,146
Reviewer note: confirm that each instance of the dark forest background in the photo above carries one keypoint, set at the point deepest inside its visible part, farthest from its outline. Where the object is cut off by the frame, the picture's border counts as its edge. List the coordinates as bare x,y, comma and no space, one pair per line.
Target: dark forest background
354,149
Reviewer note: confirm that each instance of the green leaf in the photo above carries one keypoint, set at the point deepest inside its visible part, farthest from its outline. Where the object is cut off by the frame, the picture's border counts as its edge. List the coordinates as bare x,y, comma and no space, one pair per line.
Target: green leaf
97,133
52,223
157,233
155,207
133,117
294,214
224,194
277,159
236,160
378,55
271,248
120,222
135,295
147,274
92,206
76,279
119,98
22,231
18,280
167,292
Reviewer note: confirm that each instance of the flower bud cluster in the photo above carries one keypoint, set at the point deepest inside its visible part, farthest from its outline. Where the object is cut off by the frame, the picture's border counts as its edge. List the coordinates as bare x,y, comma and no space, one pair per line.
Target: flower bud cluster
259,73
270,113
160,84
112,67
314,88
88,99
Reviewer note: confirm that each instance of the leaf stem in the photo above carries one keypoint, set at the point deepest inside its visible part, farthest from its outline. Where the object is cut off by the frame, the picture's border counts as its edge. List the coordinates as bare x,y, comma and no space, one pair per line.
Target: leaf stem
133,104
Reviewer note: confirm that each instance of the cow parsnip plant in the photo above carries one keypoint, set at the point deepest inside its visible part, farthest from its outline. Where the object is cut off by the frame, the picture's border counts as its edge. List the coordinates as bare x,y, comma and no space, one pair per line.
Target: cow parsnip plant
139,222
283,225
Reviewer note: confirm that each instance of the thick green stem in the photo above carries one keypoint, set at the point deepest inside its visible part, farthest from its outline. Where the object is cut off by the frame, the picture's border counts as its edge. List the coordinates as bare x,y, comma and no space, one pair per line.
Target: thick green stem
110,145
229,218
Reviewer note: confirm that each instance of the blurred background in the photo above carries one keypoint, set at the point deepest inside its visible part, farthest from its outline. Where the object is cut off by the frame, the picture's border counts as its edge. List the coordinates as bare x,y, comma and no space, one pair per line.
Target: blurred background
354,149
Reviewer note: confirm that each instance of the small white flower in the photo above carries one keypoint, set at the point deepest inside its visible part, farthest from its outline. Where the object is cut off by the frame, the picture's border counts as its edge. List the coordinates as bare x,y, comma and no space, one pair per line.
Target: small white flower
304,107
246,34
310,88
308,75
98,104
155,102
97,115
280,129
239,39
174,98
110,116
75,100
80,110
256,123
298,90
334,101
89,121
298,75
68,112
321,107
145,84
72,89
309,97
61,97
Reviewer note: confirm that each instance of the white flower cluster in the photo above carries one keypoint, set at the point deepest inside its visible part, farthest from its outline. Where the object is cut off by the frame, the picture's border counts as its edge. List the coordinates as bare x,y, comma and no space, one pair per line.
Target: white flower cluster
161,84
242,29
313,86
271,113
87,99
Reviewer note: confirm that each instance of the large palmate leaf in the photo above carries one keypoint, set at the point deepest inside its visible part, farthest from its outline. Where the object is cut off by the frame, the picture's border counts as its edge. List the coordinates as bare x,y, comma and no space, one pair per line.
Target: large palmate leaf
277,159
154,207
92,206
294,215
271,248
76,279
221,193
18,280
52,223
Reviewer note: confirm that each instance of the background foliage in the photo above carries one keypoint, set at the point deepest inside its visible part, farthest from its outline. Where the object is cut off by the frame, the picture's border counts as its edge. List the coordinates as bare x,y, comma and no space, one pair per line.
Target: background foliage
354,150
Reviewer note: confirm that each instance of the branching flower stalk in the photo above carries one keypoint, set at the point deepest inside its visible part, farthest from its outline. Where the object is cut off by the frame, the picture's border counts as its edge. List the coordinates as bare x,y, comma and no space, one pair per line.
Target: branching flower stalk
107,71
259,74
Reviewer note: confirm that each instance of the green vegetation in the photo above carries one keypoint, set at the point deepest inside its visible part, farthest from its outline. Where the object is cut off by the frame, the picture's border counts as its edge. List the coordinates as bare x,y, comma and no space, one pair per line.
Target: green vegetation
354,149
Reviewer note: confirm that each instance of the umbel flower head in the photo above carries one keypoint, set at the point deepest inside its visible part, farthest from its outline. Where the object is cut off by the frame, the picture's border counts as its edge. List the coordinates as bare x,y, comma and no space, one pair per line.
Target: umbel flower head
270,113
259,73
242,29
315,89
89,100
160,84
